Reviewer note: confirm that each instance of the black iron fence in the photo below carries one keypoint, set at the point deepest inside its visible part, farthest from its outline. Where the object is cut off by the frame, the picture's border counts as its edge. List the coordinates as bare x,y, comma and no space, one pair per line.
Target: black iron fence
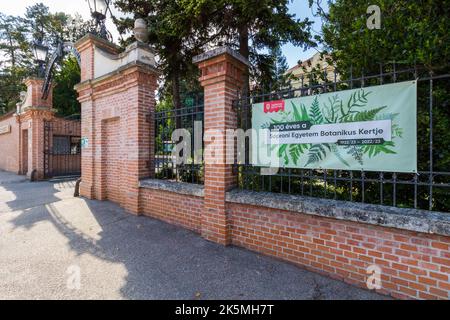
62,147
428,189
167,120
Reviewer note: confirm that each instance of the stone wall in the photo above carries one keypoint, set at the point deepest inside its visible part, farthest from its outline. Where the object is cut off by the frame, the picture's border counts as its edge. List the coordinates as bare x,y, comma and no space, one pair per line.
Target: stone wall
412,264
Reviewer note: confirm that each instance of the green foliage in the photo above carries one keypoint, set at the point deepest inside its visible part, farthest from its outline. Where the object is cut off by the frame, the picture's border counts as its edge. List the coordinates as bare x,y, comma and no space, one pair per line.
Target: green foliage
177,31
357,152
411,32
181,29
17,61
296,150
357,100
64,94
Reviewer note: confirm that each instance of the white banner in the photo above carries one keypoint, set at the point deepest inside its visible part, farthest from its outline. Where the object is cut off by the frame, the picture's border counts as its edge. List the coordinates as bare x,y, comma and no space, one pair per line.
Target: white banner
332,133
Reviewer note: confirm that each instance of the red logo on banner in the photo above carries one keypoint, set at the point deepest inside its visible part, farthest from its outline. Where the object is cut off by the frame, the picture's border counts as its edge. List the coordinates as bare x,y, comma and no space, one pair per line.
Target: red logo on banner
273,106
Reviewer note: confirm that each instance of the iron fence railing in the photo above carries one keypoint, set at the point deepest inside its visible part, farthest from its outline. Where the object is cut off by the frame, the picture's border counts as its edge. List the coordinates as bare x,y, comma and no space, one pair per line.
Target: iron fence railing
62,148
428,189
187,117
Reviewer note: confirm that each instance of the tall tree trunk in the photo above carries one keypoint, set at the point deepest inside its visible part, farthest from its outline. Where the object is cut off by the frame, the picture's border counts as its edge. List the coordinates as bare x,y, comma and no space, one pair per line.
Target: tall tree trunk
11,50
176,98
245,52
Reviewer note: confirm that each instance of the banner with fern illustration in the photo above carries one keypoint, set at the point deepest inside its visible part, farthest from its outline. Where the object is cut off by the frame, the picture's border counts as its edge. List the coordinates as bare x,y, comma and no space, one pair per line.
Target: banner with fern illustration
372,129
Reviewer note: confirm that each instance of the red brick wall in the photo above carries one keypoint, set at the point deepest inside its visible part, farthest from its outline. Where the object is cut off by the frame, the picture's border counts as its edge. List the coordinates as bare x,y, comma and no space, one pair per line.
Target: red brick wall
9,145
414,265
113,172
178,209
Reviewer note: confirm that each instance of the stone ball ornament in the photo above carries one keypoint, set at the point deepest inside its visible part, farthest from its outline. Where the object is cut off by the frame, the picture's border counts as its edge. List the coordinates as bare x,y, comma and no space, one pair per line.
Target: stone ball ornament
140,30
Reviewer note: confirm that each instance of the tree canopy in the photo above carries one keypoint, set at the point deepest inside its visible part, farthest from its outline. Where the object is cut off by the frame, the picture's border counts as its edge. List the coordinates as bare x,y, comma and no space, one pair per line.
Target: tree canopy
412,32
181,29
16,59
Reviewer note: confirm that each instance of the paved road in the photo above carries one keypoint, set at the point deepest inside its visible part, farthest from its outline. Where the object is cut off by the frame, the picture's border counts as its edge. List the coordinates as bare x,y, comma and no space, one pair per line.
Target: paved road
47,238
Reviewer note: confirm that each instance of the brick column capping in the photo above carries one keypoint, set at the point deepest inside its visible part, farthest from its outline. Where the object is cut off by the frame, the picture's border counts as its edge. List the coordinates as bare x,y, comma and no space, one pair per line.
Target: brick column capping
222,71
117,96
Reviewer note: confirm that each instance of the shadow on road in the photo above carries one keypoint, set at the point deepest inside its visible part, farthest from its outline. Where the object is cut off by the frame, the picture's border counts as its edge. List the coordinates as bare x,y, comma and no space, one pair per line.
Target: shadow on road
124,256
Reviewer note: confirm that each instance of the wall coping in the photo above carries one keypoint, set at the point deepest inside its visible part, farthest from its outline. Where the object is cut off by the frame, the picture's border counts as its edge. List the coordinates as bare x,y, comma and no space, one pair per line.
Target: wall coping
123,68
189,189
7,115
218,51
105,62
407,219
105,44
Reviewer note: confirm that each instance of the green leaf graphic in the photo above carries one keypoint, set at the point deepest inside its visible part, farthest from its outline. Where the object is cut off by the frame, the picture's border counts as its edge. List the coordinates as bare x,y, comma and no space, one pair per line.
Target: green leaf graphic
373,150
317,153
315,114
367,115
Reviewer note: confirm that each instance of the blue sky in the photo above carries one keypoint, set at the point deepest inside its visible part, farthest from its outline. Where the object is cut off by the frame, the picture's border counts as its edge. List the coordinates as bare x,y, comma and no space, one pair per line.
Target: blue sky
299,7
302,10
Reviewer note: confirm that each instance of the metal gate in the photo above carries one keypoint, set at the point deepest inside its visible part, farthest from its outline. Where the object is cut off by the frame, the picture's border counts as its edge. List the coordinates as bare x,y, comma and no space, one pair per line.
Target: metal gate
62,148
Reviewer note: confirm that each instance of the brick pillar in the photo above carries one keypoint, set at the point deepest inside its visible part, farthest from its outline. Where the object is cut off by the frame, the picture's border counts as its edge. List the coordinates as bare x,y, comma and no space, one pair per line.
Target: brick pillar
32,114
86,48
117,95
221,77
140,134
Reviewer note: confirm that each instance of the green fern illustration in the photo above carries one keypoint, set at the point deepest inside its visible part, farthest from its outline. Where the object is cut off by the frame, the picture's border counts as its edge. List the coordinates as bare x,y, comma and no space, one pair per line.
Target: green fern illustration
367,115
293,150
374,149
315,113
335,150
358,99
332,111
301,115
296,150
356,152
317,153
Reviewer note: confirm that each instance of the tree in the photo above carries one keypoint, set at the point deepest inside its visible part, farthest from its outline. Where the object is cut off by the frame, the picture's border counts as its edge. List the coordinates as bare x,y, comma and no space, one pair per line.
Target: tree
252,26
177,32
412,32
272,73
16,37
15,60
13,42
181,29
64,94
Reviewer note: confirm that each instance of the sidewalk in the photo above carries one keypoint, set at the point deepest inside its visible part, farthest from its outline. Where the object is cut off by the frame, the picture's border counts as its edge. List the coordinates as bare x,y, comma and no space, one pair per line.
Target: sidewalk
8,177
47,237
